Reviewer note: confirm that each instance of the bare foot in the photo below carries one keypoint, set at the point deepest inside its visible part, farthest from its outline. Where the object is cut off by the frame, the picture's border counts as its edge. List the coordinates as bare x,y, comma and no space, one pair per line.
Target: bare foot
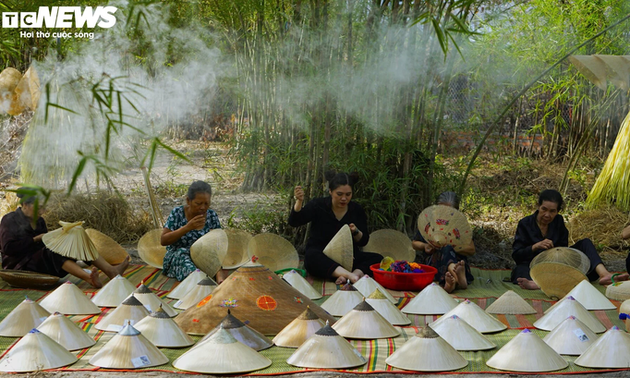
607,279
450,282
120,268
94,279
460,273
526,284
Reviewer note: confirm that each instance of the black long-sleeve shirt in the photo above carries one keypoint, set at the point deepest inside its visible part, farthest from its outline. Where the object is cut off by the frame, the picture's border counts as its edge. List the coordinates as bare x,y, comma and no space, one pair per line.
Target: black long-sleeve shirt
16,240
528,233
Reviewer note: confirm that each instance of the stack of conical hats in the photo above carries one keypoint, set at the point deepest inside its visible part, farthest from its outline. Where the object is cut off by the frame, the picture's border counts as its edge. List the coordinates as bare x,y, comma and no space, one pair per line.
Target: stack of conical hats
65,332
392,243
241,332
432,300
71,241
296,280
112,294
273,251
384,307
150,249
567,307
340,248
299,330
589,297
510,303
107,247
571,337
151,301
461,335
24,317
612,350
199,292
326,350
526,352
187,284
36,352
366,286
363,322
427,351
474,316
229,356
236,254
162,331
209,251
130,310
68,299
343,300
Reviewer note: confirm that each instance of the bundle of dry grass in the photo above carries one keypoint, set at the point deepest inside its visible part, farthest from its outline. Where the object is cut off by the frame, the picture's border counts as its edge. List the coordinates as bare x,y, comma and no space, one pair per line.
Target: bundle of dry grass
602,225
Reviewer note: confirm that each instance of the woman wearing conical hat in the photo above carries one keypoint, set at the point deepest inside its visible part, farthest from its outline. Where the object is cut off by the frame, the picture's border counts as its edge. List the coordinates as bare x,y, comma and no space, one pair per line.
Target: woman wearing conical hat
23,249
327,216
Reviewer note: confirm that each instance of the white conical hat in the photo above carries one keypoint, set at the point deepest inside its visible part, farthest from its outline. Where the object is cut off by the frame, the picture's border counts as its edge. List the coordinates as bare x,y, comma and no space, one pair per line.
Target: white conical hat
273,251
432,300
199,292
130,310
392,243
151,301
612,350
36,352
366,286
112,294
209,251
64,331
299,330
296,280
363,322
228,356
426,351
567,307
340,248
162,331
589,297
326,350
187,284
128,349
571,337
461,335
474,316
594,69
510,303
342,301
150,249
241,332
107,247
528,353
619,291
24,317
384,307
70,240
68,299
236,254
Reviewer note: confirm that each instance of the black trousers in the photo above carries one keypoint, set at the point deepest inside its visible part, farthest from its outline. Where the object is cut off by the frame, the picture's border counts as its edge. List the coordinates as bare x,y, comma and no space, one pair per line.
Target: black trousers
322,266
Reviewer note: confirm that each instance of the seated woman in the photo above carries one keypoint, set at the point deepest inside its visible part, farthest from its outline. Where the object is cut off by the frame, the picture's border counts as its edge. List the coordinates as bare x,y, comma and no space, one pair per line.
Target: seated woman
544,230
625,235
453,269
327,215
23,249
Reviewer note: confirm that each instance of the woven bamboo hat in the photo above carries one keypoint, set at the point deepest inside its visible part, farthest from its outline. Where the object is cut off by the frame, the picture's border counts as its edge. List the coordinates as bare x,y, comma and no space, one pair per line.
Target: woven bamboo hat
384,307
241,332
24,317
427,351
26,93
527,352
461,335
340,248
128,349
107,247
299,330
68,299
326,349
187,284
363,322
36,352
619,291
114,292
366,286
610,351
273,251
64,331
392,243
27,279
162,331
198,293
151,301
475,316
443,225
510,303
432,300
129,311
209,251
593,68
589,297
70,240
567,307
236,255
296,280
9,79
150,249
343,300
229,356
571,337
558,270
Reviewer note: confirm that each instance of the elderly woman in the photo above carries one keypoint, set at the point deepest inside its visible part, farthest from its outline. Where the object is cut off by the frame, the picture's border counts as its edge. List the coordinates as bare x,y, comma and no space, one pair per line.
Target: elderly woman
453,269
544,230
23,249
184,226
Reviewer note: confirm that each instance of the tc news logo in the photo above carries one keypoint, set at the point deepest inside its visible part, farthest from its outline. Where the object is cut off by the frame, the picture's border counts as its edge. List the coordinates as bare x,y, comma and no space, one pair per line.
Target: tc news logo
61,17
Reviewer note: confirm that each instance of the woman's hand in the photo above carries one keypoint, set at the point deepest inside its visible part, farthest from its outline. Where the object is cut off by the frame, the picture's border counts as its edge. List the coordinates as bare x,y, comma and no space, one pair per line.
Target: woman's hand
197,223
428,248
542,245
298,194
356,233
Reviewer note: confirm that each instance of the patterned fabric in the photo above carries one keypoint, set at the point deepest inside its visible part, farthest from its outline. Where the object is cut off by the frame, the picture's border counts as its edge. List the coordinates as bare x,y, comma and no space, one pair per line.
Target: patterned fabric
177,261
441,259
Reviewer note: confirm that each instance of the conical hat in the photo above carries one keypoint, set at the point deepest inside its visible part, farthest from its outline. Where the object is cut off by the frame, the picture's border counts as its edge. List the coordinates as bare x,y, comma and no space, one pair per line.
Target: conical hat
592,68
571,337
461,335
558,270
443,225
296,280
590,297
128,349
199,292
27,92
28,279
241,332
612,350
187,284
209,251
618,70
228,356
528,353
236,254
366,286
130,310
70,240
510,303
162,331
65,332
392,243
569,306
432,300
107,247
69,300
151,301
340,248
384,307
24,317
112,294
150,249
256,296
474,316
273,251
36,352
326,350
426,351
299,330
9,79
363,322
619,291
343,301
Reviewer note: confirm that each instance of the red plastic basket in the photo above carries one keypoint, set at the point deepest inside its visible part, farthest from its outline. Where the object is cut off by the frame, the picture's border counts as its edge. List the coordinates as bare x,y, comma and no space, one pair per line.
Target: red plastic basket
404,281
